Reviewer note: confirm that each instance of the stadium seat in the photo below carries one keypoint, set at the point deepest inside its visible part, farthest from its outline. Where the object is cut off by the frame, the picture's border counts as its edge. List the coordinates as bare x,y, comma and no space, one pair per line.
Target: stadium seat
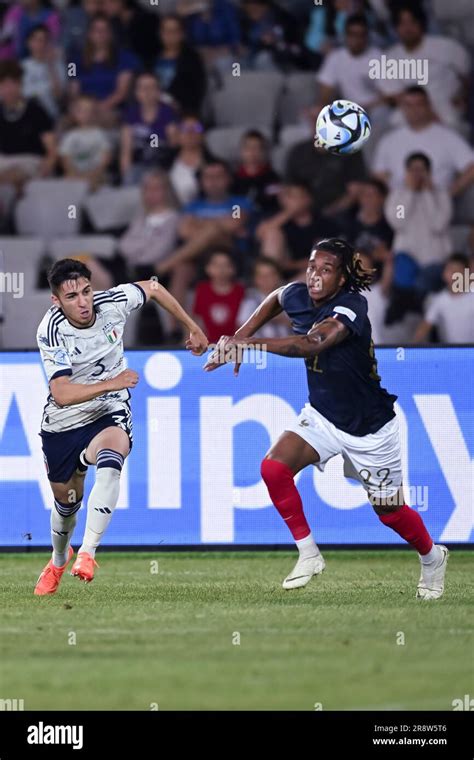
22,255
96,245
224,142
21,321
50,207
250,98
279,156
464,207
300,92
112,208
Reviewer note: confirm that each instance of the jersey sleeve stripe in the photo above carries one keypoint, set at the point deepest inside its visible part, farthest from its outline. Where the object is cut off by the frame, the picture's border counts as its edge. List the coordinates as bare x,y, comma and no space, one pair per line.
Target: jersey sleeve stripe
61,373
141,291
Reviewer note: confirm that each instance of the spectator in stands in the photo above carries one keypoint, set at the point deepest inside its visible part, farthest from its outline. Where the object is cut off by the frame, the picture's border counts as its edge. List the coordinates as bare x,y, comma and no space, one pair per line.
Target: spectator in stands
104,70
44,71
133,28
452,158
191,157
365,226
326,175
19,20
179,66
255,178
148,131
451,312
270,36
217,219
75,22
266,277
85,150
420,214
213,28
446,62
289,236
217,299
345,72
152,235
327,25
27,140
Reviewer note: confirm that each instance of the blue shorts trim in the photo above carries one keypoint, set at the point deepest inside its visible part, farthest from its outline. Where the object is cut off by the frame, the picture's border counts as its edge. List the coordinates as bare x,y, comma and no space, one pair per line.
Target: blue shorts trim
61,450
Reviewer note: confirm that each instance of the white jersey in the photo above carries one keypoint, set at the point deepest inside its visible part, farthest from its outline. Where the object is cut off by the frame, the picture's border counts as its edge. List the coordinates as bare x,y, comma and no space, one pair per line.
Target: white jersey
87,355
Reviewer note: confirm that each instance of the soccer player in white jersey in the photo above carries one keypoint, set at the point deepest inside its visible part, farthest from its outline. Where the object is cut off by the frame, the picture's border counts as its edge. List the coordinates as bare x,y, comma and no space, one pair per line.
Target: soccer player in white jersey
87,417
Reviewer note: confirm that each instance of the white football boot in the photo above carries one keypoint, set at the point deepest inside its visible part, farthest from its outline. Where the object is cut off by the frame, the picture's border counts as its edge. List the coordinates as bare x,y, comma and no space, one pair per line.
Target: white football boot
304,570
431,583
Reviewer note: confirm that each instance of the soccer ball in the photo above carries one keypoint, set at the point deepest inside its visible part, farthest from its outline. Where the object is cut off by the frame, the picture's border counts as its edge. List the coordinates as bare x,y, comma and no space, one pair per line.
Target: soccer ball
342,127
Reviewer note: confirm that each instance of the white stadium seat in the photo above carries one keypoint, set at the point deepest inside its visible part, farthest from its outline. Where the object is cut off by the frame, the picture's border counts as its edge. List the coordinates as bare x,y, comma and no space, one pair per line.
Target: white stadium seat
50,207
22,317
301,91
113,207
250,98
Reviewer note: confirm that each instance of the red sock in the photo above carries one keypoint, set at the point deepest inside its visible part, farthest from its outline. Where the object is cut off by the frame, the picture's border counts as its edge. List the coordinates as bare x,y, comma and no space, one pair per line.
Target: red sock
409,525
284,494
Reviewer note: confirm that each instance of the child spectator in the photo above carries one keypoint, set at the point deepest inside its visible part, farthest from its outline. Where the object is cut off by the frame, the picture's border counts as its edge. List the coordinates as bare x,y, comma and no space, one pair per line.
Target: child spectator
267,277
422,229
190,160
85,150
147,132
217,299
44,72
451,312
255,177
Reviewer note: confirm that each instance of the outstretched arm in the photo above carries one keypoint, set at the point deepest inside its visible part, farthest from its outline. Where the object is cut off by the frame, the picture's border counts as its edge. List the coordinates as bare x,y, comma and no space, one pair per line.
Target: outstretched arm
269,308
197,341
322,336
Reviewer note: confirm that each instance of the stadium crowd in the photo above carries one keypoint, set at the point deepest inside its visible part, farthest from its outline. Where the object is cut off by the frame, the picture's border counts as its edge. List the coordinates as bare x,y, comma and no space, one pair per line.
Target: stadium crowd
183,131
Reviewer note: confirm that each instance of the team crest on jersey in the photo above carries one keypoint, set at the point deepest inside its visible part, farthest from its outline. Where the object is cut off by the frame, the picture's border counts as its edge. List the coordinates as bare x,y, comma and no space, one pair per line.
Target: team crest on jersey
110,332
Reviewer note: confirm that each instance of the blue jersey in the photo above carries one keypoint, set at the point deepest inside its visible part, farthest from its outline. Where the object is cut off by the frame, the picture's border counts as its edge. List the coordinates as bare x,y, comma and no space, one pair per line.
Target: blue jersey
342,380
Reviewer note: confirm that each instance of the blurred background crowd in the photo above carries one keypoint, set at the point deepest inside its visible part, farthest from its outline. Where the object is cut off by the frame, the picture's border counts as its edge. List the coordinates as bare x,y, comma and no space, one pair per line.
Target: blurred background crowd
175,139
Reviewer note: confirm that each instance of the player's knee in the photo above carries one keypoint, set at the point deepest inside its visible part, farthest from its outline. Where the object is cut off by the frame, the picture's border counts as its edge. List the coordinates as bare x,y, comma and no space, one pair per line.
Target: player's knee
273,471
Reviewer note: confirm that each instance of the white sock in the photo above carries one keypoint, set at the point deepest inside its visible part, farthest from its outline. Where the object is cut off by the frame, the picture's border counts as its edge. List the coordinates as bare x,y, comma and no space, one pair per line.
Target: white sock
101,503
307,547
63,522
432,556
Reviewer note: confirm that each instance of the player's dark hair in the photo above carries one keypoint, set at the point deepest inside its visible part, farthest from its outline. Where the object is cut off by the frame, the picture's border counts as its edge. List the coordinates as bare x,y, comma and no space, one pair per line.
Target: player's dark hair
357,278
414,9
418,157
356,19
66,269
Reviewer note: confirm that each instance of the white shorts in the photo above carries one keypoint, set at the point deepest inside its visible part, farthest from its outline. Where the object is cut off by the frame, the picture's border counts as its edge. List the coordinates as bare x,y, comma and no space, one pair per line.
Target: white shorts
374,460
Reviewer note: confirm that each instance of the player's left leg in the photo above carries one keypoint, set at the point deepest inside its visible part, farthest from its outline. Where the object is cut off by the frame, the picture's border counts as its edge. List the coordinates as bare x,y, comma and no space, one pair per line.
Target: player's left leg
375,460
107,450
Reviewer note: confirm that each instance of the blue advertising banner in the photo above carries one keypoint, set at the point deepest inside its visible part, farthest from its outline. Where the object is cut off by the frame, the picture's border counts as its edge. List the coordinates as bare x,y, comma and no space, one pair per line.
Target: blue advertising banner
193,476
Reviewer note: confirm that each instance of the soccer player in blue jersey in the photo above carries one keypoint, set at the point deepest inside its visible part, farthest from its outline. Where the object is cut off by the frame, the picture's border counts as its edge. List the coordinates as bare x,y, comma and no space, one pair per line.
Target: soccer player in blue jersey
348,411
87,418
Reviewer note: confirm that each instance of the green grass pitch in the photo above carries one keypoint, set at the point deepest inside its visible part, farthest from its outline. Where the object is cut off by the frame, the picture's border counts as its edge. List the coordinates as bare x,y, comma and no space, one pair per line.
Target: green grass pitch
169,640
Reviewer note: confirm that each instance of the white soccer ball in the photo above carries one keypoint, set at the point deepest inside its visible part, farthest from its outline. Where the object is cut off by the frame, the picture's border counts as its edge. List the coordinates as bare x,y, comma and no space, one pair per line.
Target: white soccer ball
342,127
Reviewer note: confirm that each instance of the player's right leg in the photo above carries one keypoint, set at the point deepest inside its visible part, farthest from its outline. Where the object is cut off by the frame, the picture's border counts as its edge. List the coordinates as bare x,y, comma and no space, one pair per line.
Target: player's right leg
290,454
67,502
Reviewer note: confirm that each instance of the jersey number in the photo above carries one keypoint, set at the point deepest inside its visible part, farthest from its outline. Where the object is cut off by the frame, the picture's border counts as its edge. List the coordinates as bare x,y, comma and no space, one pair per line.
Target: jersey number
101,369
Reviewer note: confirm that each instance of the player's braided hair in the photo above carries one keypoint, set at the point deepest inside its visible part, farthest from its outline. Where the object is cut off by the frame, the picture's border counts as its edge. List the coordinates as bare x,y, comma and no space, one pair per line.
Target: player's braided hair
357,278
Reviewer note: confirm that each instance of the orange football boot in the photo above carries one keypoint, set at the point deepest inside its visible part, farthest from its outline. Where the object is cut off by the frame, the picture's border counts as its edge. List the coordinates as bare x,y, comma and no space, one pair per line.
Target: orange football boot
83,567
51,575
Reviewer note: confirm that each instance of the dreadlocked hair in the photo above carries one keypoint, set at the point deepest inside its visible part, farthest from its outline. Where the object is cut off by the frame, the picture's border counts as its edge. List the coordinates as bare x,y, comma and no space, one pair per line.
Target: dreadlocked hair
357,278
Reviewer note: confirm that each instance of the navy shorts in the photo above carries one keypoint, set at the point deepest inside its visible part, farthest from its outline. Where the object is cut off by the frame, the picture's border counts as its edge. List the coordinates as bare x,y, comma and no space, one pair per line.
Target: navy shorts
61,450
